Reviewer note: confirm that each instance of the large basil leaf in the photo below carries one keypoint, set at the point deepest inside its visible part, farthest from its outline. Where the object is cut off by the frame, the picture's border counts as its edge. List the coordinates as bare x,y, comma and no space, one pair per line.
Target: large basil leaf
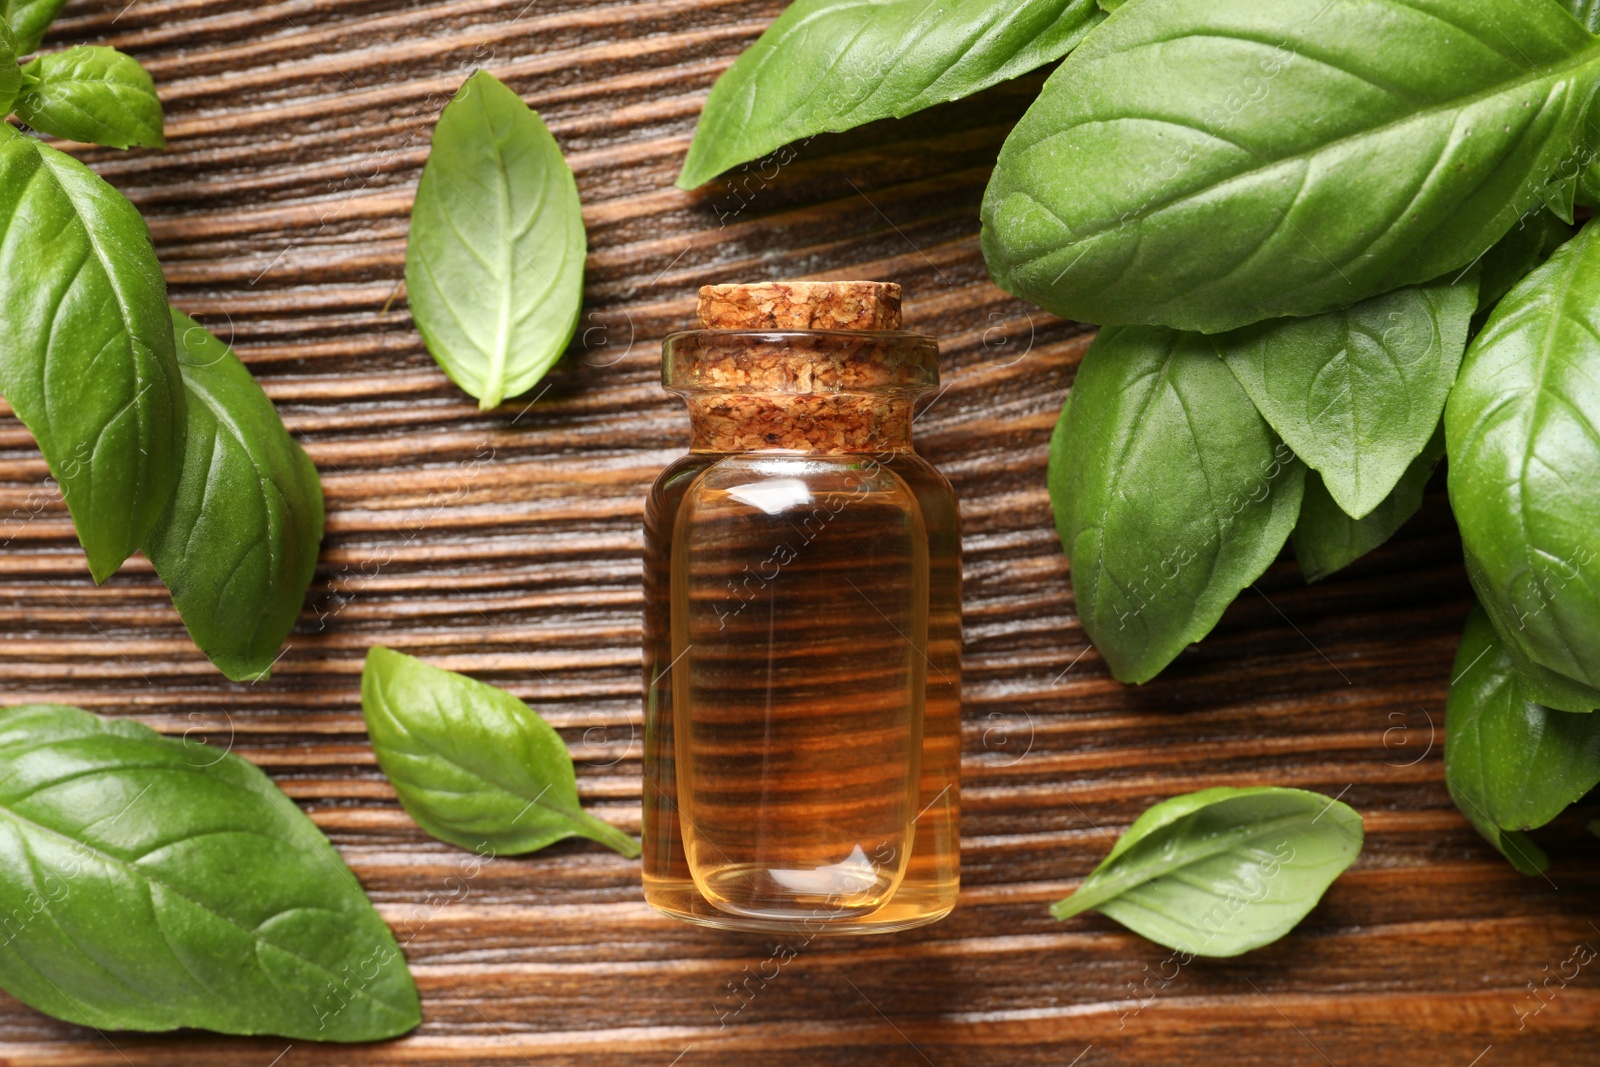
92,94
29,19
472,764
10,74
152,884
1523,428
1357,393
1511,764
1170,493
1206,164
1586,12
1222,871
494,263
830,65
87,357
1328,540
238,542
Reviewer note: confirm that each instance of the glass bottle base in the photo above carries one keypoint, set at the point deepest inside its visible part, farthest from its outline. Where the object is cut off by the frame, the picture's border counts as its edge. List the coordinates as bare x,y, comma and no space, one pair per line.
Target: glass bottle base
909,908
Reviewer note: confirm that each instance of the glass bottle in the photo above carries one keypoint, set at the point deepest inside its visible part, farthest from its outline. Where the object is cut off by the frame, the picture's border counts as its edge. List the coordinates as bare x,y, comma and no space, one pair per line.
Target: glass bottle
802,626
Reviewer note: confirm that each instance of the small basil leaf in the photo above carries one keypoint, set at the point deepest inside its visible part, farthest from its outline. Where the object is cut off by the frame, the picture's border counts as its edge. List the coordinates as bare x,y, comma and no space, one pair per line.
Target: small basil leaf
29,19
831,65
494,263
10,74
238,542
472,764
1509,762
1328,540
1530,243
92,94
1357,393
1523,428
1206,164
154,884
87,357
1222,871
1171,494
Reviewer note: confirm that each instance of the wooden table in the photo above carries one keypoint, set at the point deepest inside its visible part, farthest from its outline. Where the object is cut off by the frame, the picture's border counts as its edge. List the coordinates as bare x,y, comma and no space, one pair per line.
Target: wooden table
507,545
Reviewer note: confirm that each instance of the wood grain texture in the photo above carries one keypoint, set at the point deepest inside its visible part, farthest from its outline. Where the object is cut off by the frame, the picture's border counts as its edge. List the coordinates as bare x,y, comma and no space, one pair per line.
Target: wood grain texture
507,544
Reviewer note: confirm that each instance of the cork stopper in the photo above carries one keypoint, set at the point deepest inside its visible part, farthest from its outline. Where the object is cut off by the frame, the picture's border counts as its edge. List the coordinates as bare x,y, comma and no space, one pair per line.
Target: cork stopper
800,366
869,306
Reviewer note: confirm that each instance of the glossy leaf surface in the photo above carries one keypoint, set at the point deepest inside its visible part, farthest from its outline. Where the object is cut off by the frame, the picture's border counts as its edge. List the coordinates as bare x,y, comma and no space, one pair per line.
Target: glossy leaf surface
1207,164
92,94
29,19
494,262
472,764
237,545
1222,871
87,360
1357,393
831,65
154,884
1523,428
1171,494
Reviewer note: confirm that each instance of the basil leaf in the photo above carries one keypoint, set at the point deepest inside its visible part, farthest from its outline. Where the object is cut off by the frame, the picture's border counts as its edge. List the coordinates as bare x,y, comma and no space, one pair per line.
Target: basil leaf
87,360
1206,164
10,74
1586,12
1222,871
831,65
1328,540
153,884
1523,428
472,764
494,263
92,94
1357,393
1170,493
29,19
238,542
1511,763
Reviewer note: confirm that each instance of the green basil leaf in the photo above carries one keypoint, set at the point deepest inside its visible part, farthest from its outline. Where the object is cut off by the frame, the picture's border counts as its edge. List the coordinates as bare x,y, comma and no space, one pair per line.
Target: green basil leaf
1171,494
1206,164
92,94
29,19
1509,762
10,74
1357,393
87,359
1222,871
494,263
1328,540
472,764
152,884
1523,428
831,65
1530,242
238,542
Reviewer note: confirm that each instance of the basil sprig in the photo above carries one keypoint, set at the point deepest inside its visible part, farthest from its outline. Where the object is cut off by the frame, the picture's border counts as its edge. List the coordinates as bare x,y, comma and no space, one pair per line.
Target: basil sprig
150,884
494,261
1222,871
472,764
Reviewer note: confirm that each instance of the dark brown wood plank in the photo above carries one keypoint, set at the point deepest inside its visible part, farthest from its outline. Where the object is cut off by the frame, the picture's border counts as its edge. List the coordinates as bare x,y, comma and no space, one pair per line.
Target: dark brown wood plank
507,543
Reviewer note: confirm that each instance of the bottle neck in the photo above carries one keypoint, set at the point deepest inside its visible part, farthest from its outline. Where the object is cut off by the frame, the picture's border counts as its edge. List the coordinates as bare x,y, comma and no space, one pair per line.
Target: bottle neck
825,423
